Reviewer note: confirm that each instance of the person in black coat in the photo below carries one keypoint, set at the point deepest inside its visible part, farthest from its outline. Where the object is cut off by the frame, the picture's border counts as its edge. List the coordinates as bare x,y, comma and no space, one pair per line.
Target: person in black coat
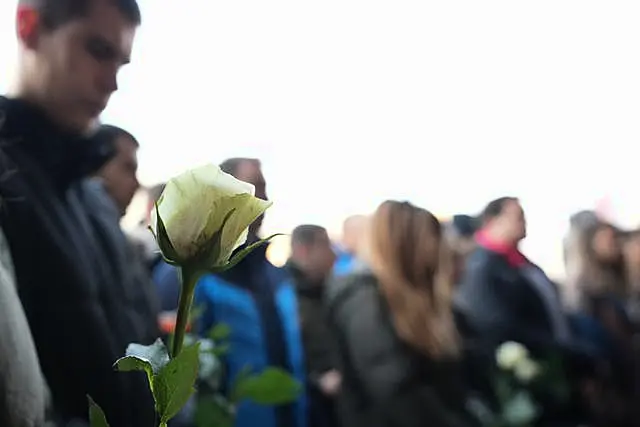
111,192
397,345
503,297
70,54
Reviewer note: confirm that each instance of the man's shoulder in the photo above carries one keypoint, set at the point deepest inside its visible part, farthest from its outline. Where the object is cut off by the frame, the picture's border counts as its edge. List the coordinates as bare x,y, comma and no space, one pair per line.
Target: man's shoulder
95,194
482,258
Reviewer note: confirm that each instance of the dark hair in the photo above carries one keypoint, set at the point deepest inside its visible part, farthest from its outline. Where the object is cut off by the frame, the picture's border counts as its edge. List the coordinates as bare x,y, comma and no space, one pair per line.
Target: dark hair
464,225
306,234
55,13
231,165
109,133
495,208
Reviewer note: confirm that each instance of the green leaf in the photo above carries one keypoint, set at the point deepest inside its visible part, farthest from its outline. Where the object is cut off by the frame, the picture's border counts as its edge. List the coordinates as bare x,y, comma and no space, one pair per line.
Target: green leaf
169,253
519,410
220,332
174,384
196,313
149,359
220,350
273,386
132,363
239,256
96,415
213,411
155,355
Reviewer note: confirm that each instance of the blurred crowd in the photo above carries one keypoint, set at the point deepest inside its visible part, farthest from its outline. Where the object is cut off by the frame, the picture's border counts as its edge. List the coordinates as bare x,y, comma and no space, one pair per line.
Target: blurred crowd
395,324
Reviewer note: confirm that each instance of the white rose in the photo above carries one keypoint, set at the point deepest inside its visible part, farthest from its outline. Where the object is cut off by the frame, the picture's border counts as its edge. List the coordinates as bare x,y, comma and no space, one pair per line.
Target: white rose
509,354
203,215
526,370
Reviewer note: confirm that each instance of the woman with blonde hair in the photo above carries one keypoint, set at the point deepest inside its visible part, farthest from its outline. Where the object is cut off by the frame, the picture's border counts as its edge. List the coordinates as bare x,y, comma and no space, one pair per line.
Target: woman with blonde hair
398,347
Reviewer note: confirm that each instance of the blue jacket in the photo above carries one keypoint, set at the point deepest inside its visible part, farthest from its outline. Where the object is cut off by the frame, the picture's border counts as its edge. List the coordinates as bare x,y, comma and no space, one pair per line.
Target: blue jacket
344,264
258,302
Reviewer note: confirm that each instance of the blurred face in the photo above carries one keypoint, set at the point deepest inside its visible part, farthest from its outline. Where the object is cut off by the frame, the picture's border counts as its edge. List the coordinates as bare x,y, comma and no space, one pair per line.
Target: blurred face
605,245
119,175
353,229
318,258
251,172
511,223
71,71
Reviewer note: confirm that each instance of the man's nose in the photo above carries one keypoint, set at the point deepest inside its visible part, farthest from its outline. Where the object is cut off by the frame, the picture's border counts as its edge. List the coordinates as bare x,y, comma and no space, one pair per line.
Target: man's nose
109,81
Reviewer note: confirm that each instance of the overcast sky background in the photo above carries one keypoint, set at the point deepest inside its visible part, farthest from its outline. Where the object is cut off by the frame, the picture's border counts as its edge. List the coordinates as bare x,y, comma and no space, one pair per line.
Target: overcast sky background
349,102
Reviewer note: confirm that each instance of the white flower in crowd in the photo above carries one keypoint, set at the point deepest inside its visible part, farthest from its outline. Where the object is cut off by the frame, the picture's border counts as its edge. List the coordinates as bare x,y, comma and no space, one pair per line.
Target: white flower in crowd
203,215
526,370
510,354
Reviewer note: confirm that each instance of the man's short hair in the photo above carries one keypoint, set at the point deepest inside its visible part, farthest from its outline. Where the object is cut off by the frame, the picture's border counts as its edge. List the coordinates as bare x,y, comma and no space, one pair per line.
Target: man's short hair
55,13
109,133
232,165
464,225
495,208
306,234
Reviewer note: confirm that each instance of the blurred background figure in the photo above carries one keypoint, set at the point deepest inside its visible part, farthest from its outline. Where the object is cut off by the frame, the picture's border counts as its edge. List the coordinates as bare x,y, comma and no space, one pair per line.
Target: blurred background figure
579,223
398,347
112,189
631,251
119,175
140,235
352,232
258,303
312,259
460,232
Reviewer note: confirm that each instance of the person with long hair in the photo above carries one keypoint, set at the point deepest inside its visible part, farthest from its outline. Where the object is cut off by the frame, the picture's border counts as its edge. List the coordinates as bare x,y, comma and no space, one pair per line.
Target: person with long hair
602,286
392,317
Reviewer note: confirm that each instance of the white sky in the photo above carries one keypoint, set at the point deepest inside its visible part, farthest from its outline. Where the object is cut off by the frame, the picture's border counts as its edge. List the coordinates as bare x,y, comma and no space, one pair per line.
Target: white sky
445,103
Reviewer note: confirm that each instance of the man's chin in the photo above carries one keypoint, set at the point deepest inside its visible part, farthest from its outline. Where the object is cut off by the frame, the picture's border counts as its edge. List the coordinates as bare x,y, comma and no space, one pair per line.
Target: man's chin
92,126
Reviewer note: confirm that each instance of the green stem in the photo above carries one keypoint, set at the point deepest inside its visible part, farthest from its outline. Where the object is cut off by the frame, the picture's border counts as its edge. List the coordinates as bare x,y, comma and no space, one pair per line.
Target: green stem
163,424
187,291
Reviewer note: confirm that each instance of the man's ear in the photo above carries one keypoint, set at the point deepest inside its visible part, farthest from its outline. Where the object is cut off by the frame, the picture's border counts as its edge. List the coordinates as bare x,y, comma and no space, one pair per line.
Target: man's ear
28,26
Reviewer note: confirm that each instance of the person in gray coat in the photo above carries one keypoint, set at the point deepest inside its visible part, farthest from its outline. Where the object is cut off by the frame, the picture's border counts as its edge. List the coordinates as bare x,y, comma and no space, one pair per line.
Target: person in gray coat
23,393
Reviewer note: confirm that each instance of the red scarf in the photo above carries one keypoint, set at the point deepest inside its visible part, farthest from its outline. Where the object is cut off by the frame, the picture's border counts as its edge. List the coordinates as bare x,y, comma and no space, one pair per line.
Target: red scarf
514,257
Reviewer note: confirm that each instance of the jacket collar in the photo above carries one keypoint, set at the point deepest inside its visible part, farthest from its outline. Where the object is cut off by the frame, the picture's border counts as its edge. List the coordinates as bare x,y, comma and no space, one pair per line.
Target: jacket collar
65,157
511,253
303,283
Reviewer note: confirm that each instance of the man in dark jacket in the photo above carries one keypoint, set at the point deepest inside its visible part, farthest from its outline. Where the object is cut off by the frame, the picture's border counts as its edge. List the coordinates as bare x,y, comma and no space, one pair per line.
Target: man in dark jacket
70,54
505,297
310,265
112,191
